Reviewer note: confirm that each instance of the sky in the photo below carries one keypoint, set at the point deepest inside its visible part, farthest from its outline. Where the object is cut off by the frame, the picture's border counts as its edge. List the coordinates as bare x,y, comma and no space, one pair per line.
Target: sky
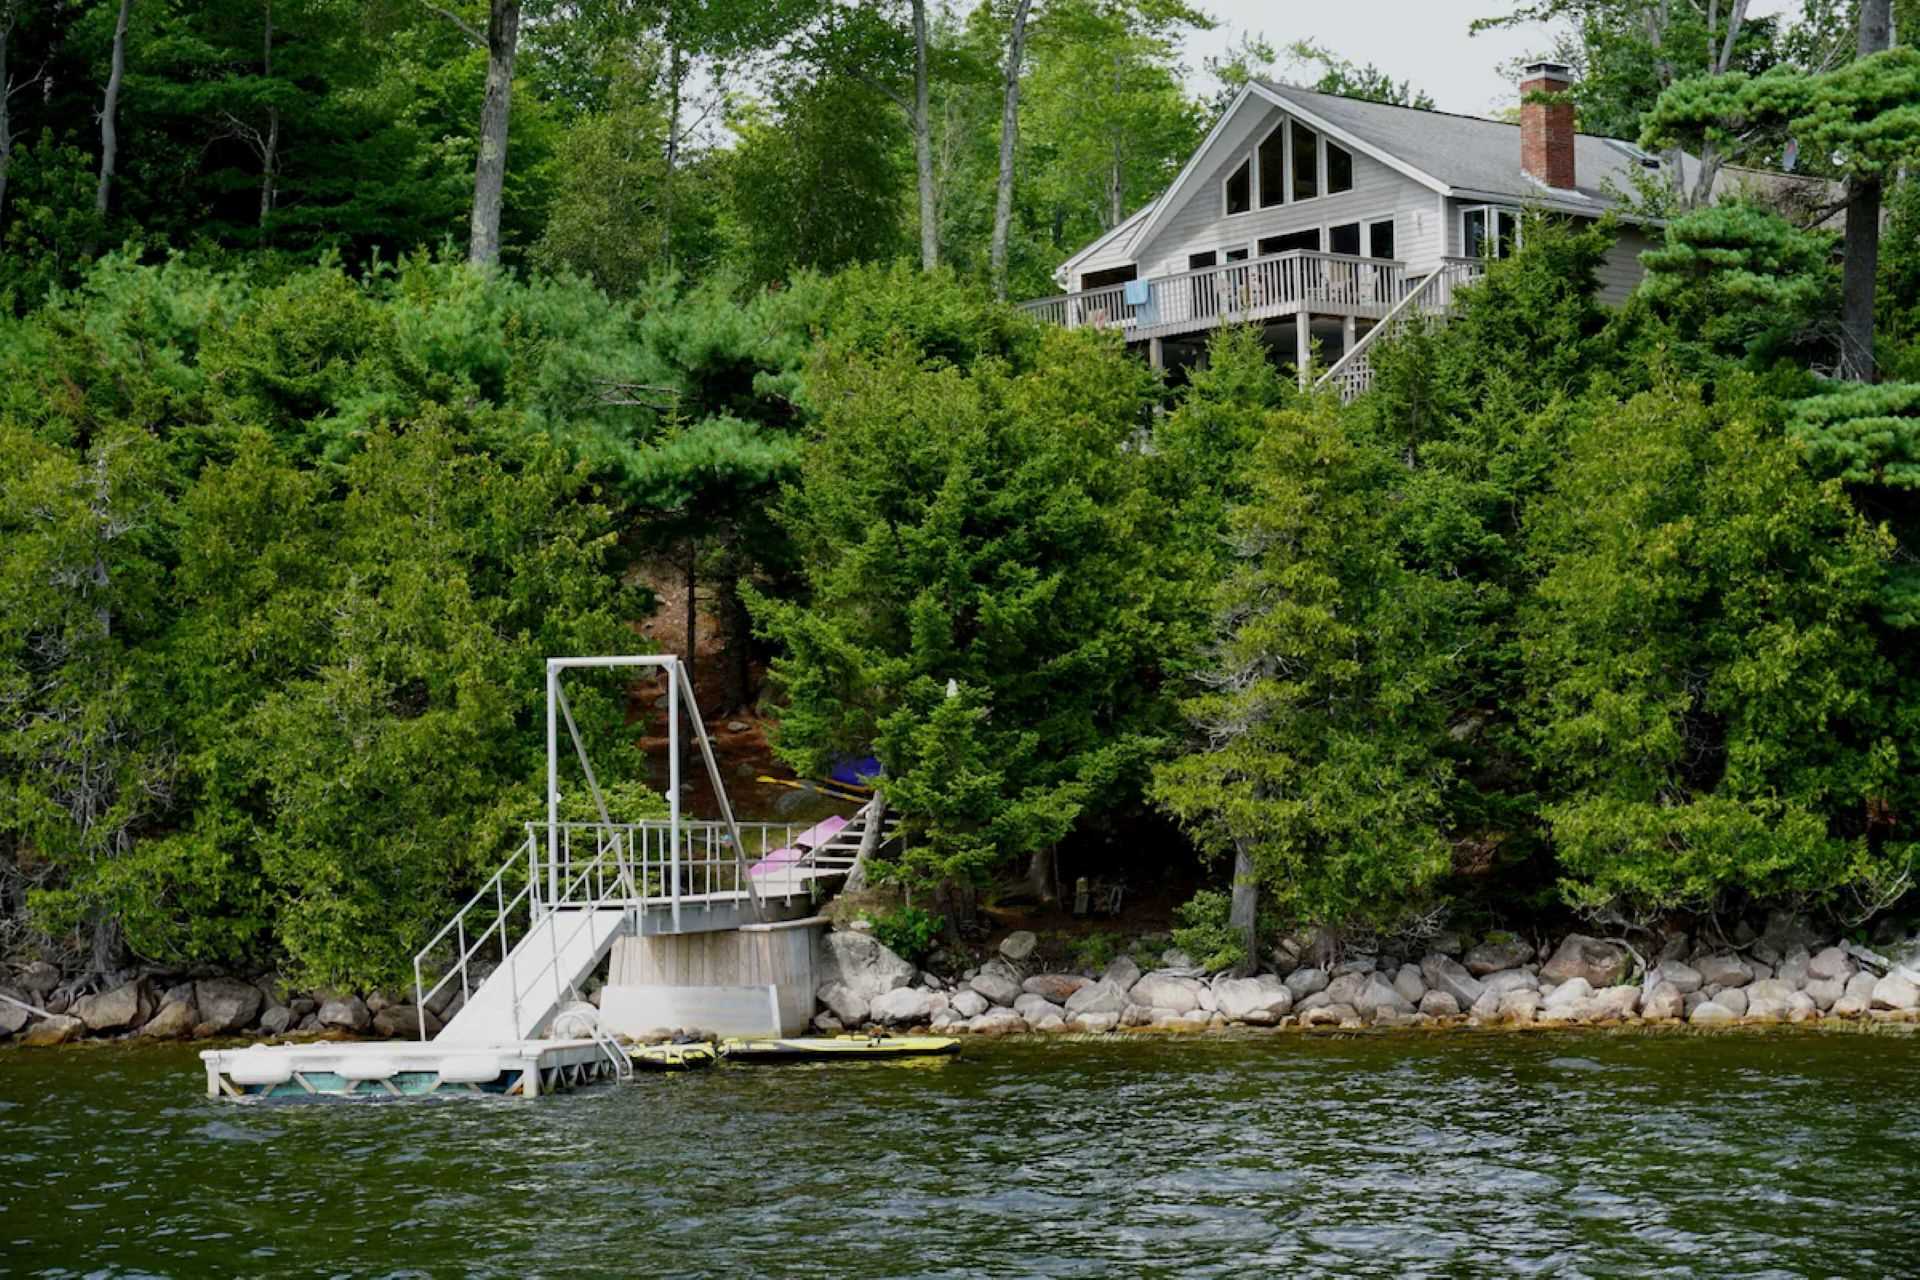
1425,41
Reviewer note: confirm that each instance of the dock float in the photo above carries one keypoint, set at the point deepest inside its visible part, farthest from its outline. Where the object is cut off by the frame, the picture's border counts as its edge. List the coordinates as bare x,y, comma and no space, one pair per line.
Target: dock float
407,1069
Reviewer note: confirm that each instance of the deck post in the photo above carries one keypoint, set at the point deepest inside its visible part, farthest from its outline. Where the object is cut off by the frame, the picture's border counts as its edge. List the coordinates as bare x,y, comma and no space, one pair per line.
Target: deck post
1349,332
673,786
553,785
1303,346
1156,354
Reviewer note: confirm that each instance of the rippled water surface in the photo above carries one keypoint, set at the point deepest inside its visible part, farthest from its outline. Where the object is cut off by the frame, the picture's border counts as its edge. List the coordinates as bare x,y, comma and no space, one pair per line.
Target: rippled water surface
1792,1154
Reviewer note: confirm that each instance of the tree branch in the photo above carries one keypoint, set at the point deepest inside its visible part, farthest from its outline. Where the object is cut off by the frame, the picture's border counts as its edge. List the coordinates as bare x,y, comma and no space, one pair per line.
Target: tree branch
466,28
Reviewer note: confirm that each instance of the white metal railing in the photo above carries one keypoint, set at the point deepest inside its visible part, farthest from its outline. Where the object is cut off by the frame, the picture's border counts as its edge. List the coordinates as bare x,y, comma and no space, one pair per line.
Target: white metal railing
1250,289
1432,297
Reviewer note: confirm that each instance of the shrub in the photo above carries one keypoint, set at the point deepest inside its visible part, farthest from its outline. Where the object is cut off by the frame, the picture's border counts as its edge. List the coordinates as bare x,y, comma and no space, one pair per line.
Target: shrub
908,932
1204,933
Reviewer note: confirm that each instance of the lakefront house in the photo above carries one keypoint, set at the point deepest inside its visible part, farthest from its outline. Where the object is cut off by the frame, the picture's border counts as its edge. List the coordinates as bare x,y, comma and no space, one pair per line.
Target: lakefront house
1316,216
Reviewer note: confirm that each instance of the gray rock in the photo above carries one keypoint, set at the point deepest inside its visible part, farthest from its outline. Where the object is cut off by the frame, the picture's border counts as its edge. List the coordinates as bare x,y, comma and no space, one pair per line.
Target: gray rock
1446,974
229,1004
1056,987
997,985
276,1020
1162,991
1378,995
1665,1002
1830,964
1346,987
1486,1008
1693,1000
1175,958
395,1022
175,1021
1495,954
1408,982
1093,1023
1850,1006
347,1013
1522,1005
998,1022
1803,1008
1570,992
12,1017
1786,933
124,1007
1051,1022
1510,980
1765,1007
1824,992
55,1029
1018,945
1241,998
1895,992
1733,1000
1724,971
1306,980
1101,997
1761,968
1685,978
1033,1008
1446,943
38,979
1356,965
1123,972
1312,1000
1438,1004
1710,1014
376,1002
1777,989
1860,986
1673,948
901,1007
1615,1002
300,1007
861,962
1328,1015
848,1005
1601,963
970,1004
1795,968
828,1025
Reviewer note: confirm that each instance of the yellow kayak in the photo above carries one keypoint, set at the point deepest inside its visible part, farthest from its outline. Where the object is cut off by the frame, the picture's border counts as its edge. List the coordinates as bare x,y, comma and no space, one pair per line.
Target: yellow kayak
673,1057
837,1048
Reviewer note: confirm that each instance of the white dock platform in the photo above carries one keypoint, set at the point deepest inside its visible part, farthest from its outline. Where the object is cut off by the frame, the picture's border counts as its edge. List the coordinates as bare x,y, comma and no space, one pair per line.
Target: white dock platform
406,1068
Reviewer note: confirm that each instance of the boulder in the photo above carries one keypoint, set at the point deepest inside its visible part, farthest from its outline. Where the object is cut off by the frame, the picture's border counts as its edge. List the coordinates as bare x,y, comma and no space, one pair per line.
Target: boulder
12,1017
1446,943
1770,989
1018,945
1136,1015
38,978
1615,1002
1033,1008
969,1004
1803,1008
1794,969
1733,1000
1601,963
395,1021
1328,1015
54,1029
1824,992
1665,1002
229,1004
1446,974
1685,978
1711,1014
1103,996
344,1013
1175,958
1311,1001
998,1022
997,984
1724,971
1304,981
1408,982
1093,1024
1486,1008
124,1007
866,966
1163,991
901,1007
1895,992
1051,1022
848,1005
828,1025
1510,980
1346,987
1209,1003
1522,1005
1054,986
1241,998
1500,951
1360,965
1786,933
175,1021
1568,992
1830,964
1767,1008
1380,996
1123,972
1860,986
1438,1004
276,1020
1850,1006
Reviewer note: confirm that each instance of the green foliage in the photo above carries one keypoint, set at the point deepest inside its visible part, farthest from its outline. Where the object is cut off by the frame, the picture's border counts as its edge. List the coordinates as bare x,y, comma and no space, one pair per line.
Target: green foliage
1204,934
1865,435
908,932
1743,281
1093,952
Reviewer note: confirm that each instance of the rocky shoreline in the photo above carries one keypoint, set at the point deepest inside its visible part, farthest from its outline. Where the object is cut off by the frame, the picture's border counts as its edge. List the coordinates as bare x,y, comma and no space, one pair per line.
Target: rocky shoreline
1786,974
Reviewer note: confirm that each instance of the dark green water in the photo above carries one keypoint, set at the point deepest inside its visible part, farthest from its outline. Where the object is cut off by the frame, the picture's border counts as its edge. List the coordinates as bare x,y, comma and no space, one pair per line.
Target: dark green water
1792,1154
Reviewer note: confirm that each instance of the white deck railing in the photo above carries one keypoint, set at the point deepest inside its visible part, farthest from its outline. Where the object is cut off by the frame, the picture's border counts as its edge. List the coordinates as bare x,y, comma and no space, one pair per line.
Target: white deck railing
1233,292
1431,298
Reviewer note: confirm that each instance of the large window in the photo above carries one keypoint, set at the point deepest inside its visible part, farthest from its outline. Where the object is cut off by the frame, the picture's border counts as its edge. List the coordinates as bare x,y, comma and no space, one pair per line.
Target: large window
1344,238
1339,168
1273,169
1306,162
1380,239
1240,189
1292,240
1489,231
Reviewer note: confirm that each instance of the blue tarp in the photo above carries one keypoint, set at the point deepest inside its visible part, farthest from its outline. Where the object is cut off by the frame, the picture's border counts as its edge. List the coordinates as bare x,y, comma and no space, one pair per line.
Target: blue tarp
857,771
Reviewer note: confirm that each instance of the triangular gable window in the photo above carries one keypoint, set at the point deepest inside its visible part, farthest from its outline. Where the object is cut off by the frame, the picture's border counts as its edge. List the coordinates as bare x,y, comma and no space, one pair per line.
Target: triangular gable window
1273,169
1339,168
1240,188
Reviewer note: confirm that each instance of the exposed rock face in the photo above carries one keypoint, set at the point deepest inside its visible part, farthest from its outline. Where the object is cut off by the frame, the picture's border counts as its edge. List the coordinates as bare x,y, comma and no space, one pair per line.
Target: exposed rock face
848,1005
1522,1005
1306,980
229,1004
1242,998
55,1029
124,1007
175,1021
1602,964
1162,991
1102,997
862,963
1346,987
1446,974
1054,986
1493,956
901,1007
1018,945
346,1013
1895,992
1724,971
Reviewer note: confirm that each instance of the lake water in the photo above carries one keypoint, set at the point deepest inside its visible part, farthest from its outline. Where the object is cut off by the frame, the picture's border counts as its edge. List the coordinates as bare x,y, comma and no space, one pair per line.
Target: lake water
1555,1154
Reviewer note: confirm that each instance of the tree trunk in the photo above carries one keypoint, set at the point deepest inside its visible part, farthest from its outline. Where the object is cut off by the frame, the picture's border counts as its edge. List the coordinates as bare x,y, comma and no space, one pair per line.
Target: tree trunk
6,120
1009,132
490,168
1244,914
1040,876
739,648
270,146
923,141
109,112
860,872
693,613
1860,261
676,73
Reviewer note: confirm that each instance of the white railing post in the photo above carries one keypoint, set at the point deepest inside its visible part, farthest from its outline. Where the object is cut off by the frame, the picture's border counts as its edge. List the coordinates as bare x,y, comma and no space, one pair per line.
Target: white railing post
673,787
553,785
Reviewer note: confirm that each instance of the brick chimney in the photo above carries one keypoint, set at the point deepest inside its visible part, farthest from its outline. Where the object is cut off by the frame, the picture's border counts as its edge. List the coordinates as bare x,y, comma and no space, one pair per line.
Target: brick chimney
1546,128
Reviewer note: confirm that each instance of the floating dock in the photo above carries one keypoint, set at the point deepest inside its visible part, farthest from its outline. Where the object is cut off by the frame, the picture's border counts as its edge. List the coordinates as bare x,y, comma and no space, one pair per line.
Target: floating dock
408,1069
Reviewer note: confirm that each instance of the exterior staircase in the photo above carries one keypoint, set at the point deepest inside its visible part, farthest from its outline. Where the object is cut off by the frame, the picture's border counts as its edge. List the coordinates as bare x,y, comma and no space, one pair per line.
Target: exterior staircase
1430,300
541,973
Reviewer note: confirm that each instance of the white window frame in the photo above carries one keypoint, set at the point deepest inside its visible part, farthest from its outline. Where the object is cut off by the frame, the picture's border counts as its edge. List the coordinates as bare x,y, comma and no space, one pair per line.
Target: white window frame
1252,163
1493,213
1286,166
1366,232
